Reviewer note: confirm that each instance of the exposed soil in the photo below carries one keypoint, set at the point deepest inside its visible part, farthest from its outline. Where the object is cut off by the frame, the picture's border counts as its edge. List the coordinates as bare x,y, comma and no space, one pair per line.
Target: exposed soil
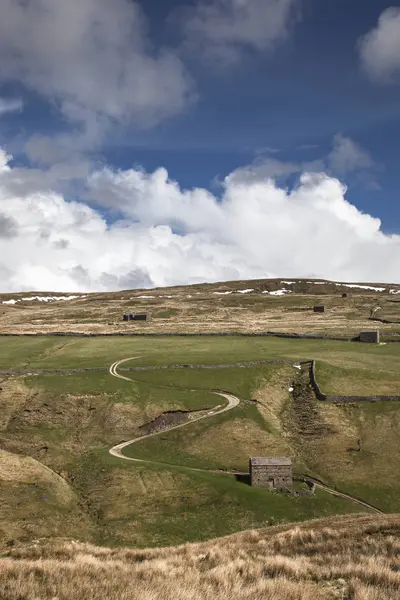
167,420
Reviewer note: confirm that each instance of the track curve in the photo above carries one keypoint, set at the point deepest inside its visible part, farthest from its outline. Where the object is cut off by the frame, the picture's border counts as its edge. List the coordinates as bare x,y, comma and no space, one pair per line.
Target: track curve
116,451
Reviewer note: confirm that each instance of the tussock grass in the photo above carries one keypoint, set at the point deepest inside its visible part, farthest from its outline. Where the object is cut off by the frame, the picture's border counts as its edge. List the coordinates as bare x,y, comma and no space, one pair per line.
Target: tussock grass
197,309
345,557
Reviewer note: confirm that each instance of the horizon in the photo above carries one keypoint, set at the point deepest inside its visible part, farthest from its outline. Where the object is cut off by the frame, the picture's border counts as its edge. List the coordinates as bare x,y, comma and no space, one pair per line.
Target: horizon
348,283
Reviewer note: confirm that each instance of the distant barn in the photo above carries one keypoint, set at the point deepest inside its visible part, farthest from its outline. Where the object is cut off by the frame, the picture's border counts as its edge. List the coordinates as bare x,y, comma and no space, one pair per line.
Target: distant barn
271,472
319,309
141,317
370,337
136,317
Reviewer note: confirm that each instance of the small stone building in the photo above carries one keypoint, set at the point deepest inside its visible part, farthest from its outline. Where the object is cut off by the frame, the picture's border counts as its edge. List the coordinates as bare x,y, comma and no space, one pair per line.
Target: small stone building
271,472
136,317
319,309
370,337
141,317
344,295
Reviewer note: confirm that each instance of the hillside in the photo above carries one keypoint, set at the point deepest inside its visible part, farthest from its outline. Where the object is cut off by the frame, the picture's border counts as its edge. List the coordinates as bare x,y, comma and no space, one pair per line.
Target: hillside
344,557
137,441
68,418
240,306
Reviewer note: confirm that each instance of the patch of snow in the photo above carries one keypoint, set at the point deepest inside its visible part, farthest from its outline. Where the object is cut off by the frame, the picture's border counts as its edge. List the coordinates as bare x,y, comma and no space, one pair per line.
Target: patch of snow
297,367
362,287
221,293
278,292
291,389
288,282
54,298
42,299
318,282
394,291
245,291
188,296
147,297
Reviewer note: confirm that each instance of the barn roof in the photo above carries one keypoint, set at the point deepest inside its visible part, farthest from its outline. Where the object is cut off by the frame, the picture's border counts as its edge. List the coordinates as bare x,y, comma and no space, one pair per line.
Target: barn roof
270,461
369,331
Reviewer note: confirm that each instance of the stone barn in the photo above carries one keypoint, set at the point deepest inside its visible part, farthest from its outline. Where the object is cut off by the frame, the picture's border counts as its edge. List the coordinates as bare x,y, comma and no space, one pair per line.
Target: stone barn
136,317
370,337
319,309
271,472
141,317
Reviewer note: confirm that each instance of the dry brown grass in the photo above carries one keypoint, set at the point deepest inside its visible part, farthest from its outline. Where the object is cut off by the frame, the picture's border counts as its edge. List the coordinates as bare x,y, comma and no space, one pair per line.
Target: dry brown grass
13,395
194,309
352,558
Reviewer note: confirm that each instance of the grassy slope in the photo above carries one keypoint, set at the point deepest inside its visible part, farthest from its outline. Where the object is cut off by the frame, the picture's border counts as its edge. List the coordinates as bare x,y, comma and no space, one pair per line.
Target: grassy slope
276,426
78,417
149,505
73,420
354,557
35,500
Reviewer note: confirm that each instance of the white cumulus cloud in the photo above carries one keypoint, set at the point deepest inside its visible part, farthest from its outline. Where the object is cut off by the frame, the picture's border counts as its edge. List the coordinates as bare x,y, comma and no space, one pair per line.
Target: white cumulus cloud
163,235
223,28
92,58
380,48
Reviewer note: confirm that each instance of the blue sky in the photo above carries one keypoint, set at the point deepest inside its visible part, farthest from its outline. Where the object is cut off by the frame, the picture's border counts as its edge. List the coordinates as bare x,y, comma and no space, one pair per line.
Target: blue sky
311,88
293,100
206,89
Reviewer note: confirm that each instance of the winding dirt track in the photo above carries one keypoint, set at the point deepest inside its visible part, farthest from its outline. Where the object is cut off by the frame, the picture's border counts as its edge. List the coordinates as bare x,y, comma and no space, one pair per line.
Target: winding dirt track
233,402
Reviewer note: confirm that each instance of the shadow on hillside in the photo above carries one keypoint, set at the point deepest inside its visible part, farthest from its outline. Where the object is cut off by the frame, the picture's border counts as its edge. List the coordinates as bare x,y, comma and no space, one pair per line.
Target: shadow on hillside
243,478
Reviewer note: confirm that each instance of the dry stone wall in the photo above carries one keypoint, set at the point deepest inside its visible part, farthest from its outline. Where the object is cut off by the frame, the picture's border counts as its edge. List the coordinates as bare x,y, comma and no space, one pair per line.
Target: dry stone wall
293,336
327,398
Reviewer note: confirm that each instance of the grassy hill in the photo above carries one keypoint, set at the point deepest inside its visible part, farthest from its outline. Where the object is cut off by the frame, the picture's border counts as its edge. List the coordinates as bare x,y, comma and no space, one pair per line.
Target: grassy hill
239,306
353,557
68,422
56,428
35,499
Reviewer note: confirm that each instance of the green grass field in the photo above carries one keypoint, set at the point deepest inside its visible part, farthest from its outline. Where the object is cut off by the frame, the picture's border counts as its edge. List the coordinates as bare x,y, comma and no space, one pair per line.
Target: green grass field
150,505
364,380
69,422
58,352
139,393
241,381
